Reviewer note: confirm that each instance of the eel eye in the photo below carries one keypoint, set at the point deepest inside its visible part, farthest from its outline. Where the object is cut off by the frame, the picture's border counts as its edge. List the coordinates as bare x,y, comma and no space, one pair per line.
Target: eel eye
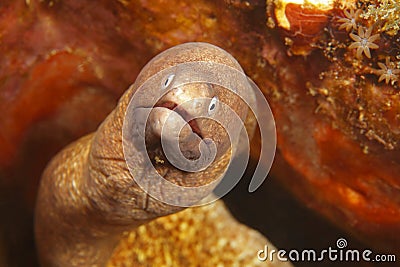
167,81
213,105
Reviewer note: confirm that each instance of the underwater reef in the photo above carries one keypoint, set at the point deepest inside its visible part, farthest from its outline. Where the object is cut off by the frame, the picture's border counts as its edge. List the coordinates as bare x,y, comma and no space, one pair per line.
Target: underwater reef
330,71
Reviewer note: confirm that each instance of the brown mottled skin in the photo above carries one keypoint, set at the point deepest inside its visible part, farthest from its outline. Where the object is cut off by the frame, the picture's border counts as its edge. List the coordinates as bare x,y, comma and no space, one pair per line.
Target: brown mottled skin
88,197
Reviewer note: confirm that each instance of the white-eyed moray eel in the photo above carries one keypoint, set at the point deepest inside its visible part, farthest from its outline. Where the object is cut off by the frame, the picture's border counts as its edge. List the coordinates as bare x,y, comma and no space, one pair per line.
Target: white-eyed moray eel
88,195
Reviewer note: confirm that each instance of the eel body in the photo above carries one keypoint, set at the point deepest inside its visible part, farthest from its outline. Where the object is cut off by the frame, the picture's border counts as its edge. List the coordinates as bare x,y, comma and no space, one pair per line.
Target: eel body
93,191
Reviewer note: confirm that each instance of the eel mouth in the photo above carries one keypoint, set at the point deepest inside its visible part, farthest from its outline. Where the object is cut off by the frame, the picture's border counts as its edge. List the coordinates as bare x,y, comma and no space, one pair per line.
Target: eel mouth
183,113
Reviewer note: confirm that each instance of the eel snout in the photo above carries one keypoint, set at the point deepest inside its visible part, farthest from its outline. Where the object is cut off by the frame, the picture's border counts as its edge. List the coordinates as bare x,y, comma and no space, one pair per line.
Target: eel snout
181,111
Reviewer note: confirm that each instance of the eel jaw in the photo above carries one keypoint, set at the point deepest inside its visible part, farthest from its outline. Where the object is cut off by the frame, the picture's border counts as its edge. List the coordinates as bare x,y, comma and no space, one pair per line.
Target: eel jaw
183,113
